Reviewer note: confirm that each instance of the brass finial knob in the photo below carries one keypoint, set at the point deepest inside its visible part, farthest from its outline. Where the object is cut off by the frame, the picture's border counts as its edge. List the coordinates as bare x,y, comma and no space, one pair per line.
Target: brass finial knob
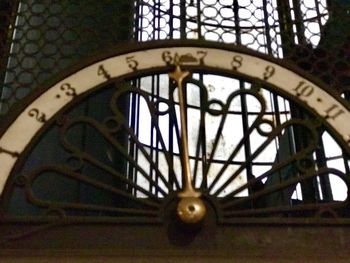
191,210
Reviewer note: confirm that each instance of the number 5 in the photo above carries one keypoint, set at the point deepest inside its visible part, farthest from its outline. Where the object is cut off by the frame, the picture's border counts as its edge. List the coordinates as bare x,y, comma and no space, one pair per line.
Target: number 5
132,63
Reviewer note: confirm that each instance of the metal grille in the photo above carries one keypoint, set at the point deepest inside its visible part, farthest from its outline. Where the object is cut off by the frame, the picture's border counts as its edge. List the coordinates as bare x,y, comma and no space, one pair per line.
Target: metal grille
43,39
301,32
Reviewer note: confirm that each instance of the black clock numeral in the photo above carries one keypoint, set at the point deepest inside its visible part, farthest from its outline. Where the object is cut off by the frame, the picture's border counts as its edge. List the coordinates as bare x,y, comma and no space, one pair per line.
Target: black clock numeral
303,89
184,59
68,90
37,115
167,58
236,62
103,72
132,63
269,72
333,112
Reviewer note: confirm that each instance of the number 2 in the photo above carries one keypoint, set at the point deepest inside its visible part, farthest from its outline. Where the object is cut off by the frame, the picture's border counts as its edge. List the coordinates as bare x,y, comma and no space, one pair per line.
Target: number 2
39,116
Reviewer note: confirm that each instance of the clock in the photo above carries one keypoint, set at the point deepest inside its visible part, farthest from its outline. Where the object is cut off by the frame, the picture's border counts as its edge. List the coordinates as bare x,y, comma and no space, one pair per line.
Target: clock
176,153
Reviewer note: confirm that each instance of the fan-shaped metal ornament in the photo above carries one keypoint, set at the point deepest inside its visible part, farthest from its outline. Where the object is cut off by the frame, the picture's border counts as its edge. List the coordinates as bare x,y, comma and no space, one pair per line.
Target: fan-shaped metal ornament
142,179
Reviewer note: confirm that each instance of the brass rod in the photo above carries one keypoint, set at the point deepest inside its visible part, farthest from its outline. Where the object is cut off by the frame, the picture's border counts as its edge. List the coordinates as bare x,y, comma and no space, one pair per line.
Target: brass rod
188,191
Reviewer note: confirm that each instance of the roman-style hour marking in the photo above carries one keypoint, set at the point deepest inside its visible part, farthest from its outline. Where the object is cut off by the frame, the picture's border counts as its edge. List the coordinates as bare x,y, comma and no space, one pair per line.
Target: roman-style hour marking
333,112
303,89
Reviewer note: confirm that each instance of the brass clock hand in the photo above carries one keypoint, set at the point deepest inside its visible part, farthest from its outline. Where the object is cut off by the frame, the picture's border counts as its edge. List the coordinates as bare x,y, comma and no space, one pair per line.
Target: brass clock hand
191,208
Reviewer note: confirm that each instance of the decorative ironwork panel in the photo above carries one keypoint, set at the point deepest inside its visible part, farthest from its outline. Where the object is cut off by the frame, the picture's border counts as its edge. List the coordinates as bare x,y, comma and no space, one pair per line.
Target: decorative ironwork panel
233,111
43,38
125,160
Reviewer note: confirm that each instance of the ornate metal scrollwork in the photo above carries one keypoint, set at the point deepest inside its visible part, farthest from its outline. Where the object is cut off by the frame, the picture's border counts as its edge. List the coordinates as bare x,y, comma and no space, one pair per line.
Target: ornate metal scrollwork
134,179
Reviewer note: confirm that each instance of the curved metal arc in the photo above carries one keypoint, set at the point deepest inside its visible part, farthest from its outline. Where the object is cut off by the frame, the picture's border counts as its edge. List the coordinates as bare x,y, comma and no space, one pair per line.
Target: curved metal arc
290,182
201,138
164,148
96,125
200,45
274,133
302,154
122,178
258,179
30,180
155,125
241,142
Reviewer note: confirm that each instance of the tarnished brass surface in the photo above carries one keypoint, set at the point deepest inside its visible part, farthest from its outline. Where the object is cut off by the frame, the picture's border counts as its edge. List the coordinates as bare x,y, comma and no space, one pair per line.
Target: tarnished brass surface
191,210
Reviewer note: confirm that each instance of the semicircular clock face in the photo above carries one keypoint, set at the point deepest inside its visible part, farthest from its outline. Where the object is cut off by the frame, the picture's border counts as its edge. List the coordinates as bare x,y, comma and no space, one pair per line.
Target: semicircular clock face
198,134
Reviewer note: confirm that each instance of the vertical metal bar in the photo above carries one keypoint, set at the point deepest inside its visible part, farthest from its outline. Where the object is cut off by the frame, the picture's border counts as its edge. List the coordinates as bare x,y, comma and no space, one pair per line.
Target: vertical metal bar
171,134
154,14
237,26
135,126
199,20
322,162
288,132
158,151
201,151
140,22
201,144
152,144
274,99
245,121
9,31
183,19
6,29
132,148
171,19
286,26
267,28
299,22
318,16
346,163
245,124
204,144
137,20
137,131
157,17
287,36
